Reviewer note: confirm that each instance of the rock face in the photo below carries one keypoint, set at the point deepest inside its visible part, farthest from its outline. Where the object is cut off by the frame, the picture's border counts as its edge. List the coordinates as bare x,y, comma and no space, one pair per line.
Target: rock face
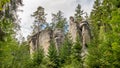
33,44
82,29
58,38
73,29
40,39
85,34
43,39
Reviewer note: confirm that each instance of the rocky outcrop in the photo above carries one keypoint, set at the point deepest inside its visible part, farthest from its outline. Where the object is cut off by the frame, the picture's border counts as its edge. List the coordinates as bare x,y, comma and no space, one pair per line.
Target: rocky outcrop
58,38
85,34
73,29
40,39
83,30
43,39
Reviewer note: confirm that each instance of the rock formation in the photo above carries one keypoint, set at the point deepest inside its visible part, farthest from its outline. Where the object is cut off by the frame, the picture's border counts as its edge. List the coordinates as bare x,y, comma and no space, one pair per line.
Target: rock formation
83,30
40,39
58,38
85,34
43,39
73,29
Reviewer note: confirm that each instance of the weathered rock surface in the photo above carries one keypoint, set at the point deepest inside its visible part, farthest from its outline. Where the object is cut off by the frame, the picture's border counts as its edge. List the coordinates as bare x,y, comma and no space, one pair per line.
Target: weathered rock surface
40,39
85,34
58,38
83,30
73,30
43,39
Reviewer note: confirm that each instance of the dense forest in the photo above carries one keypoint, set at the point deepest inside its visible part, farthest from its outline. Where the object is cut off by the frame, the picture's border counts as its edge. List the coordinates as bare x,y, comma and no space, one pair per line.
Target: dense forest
103,50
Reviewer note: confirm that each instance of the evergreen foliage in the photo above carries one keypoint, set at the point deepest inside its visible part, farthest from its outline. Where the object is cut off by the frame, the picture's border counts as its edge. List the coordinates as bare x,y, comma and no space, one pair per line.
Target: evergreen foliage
103,50
53,56
38,58
78,13
103,46
40,19
65,51
58,20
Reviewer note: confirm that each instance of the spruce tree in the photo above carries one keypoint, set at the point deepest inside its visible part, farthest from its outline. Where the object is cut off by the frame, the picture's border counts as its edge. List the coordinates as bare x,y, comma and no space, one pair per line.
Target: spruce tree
65,52
38,57
76,53
59,20
76,49
78,13
103,48
53,56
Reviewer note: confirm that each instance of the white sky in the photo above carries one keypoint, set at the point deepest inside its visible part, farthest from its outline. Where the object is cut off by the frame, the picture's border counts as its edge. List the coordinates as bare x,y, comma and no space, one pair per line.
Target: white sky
51,6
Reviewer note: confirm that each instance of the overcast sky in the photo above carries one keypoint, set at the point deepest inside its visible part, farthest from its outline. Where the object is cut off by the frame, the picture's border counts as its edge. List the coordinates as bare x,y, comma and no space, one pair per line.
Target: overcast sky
51,6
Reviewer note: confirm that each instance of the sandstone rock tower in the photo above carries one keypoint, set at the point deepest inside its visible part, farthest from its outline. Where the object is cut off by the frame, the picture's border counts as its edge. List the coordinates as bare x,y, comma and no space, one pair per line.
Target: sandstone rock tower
73,29
40,39
43,38
83,30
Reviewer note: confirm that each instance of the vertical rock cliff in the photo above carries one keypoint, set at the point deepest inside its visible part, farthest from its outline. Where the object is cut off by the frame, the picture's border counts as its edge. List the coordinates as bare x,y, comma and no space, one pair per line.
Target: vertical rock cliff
43,39
73,29
58,38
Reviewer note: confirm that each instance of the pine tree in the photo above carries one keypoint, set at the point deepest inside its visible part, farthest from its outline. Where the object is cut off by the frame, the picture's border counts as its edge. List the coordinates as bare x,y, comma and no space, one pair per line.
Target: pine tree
40,19
78,13
58,20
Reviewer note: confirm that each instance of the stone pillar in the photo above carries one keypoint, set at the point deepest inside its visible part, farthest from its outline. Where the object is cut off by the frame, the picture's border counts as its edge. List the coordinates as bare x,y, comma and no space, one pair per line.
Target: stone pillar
86,36
44,40
40,39
73,29
58,38
32,44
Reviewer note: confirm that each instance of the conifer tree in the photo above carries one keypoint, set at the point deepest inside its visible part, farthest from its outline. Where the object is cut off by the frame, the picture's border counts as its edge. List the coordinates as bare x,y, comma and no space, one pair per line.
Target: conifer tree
38,57
58,20
65,52
8,25
76,53
78,13
40,19
76,50
53,56
103,48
